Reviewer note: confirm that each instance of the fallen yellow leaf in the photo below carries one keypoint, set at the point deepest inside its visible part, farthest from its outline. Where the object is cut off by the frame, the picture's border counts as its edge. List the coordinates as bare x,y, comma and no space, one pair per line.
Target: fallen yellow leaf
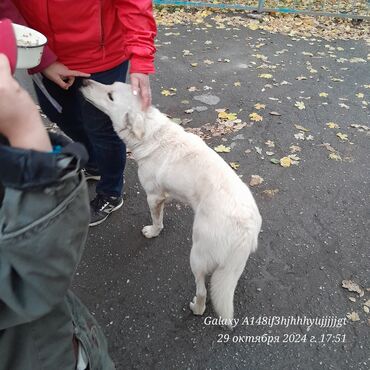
253,26
234,165
168,92
255,117
260,106
335,157
285,162
227,116
255,180
270,192
295,148
300,105
353,316
360,95
343,137
301,128
332,125
237,84
265,75
193,64
323,94
222,149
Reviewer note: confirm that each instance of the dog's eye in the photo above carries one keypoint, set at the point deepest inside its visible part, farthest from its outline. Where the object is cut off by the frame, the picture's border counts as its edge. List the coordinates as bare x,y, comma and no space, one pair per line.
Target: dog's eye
110,96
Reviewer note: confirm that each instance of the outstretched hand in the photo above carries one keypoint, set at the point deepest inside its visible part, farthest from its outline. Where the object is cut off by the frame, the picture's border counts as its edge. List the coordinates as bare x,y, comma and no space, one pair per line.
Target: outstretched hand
20,120
61,75
140,85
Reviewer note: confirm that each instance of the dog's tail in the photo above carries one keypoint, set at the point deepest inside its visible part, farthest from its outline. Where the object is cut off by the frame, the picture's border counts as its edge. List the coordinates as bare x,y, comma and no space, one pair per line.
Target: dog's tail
223,283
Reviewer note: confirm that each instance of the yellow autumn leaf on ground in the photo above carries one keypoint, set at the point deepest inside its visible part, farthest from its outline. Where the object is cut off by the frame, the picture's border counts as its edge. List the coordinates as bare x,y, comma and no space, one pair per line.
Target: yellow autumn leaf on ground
253,26
294,158
335,157
227,116
222,149
260,56
255,117
265,75
353,316
260,106
193,64
300,105
168,92
299,127
234,165
295,148
285,162
323,94
332,125
256,180
343,137
360,95
270,192
237,84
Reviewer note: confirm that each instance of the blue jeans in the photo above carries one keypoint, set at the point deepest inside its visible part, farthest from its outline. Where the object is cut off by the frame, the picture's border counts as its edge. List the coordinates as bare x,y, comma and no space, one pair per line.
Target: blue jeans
84,123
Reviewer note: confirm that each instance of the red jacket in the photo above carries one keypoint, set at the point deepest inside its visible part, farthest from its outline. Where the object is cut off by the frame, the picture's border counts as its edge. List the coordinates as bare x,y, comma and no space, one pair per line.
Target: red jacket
93,35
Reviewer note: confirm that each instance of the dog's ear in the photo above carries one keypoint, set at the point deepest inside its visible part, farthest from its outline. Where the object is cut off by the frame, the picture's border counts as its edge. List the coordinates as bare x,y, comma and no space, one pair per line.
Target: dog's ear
136,122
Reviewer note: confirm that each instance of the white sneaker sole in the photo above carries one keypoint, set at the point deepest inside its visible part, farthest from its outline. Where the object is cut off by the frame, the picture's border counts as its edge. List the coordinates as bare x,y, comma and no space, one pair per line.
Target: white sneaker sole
91,177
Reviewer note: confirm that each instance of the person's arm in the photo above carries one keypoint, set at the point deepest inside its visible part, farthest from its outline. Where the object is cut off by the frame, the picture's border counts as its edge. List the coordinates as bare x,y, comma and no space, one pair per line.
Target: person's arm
45,212
49,65
10,11
140,30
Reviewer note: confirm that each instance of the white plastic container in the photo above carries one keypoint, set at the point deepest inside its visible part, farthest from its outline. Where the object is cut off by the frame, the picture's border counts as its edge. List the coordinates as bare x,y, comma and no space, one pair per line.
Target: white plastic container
30,46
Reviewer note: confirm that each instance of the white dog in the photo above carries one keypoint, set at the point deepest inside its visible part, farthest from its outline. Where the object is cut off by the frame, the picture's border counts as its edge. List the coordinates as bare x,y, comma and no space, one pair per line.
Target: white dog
176,164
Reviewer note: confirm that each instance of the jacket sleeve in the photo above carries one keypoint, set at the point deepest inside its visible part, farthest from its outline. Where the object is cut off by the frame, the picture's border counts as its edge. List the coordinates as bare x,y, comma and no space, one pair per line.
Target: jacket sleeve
139,33
43,228
9,10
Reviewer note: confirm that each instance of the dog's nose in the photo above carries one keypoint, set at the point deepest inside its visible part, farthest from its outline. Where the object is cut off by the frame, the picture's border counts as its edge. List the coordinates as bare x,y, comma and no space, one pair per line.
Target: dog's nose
86,82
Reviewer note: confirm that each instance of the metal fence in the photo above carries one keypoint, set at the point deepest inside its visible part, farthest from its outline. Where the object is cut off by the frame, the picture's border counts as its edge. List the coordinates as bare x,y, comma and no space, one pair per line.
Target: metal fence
354,9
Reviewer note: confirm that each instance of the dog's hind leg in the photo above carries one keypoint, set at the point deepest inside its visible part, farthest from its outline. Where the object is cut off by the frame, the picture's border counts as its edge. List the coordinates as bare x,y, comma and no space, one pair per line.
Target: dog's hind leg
198,305
156,204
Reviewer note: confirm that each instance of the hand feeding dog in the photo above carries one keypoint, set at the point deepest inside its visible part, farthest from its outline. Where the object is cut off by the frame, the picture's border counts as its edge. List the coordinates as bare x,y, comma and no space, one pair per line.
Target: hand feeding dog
174,164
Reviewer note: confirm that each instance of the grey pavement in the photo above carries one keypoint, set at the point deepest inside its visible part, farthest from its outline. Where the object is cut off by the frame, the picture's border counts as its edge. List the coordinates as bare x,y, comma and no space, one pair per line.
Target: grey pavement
315,213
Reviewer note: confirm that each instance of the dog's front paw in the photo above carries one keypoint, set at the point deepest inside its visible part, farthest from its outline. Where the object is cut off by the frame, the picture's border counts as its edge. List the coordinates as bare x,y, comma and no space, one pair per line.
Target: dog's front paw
196,308
151,231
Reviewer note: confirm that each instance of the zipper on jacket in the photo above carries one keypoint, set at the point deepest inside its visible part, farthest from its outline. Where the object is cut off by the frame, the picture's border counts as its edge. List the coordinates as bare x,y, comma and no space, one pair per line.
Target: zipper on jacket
102,36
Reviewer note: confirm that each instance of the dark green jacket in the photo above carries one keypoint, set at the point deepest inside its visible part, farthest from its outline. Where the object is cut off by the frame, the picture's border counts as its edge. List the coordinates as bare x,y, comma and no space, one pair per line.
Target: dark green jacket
43,226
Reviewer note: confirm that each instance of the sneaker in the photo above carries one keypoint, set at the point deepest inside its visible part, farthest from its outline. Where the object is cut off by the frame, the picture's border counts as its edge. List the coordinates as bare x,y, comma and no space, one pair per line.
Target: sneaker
102,206
91,175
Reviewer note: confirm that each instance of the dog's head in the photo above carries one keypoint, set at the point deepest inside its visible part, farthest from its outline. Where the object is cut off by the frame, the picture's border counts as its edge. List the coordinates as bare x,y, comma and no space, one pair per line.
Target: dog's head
120,104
